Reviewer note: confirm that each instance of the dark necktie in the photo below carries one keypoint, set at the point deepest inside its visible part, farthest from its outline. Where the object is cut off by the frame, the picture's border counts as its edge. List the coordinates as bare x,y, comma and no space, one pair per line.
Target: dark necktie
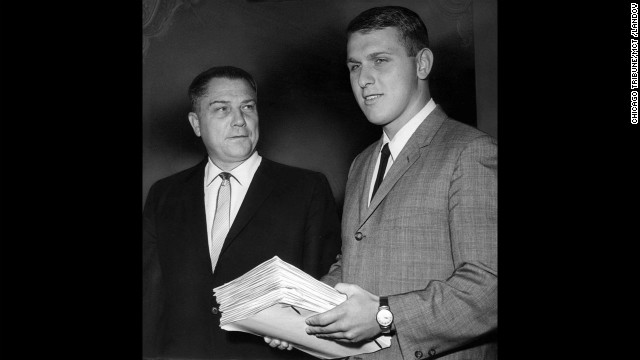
384,158
221,224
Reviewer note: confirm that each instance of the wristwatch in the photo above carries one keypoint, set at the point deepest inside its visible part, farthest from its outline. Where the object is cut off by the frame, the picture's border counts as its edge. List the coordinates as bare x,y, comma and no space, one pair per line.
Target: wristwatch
384,317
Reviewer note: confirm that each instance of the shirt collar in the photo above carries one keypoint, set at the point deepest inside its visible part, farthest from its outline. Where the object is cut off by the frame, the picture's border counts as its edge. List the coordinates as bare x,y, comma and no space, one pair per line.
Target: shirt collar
242,173
402,136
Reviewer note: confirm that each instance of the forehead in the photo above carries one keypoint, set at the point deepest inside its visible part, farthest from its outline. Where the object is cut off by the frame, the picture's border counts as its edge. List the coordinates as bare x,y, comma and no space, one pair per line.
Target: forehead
383,40
227,88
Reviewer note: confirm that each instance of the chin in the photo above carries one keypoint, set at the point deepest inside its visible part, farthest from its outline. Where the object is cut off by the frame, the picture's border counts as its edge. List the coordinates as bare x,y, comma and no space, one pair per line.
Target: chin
377,119
240,156
241,153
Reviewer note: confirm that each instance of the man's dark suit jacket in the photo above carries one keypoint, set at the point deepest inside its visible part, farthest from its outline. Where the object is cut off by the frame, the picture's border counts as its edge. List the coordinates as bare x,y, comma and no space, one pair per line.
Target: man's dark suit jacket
287,211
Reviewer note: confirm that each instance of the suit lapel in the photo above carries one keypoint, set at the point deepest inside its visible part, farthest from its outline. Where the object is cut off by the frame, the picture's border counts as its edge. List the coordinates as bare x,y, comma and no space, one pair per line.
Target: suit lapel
196,220
368,170
261,186
408,155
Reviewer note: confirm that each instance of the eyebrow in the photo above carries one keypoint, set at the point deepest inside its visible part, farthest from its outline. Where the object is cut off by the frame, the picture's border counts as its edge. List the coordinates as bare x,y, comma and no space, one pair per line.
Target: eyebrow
370,56
225,102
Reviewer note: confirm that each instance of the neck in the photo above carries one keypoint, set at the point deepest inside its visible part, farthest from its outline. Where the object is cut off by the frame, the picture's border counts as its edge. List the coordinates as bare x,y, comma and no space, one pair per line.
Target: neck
226,165
392,128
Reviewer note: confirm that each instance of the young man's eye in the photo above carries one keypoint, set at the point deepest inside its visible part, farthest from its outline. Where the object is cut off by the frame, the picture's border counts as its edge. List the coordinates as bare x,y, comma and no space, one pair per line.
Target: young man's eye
353,67
380,61
249,107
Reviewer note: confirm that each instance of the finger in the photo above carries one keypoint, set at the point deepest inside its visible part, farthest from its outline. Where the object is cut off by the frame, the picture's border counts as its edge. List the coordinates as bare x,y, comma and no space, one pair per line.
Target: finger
337,336
280,344
341,336
274,343
270,341
329,329
325,318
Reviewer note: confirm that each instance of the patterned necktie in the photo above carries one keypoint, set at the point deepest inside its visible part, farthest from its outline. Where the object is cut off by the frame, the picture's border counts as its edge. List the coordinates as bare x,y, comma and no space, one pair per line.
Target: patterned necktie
221,224
383,166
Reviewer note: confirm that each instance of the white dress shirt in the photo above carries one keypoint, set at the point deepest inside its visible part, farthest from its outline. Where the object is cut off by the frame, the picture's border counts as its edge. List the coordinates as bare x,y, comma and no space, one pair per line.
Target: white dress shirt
240,180
400,140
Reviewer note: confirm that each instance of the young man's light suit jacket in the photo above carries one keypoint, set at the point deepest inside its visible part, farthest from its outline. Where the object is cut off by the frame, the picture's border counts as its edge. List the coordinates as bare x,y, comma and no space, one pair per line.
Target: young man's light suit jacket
428,240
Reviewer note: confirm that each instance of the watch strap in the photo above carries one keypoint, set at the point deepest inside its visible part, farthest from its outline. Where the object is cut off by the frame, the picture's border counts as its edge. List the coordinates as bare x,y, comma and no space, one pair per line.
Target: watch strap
384,306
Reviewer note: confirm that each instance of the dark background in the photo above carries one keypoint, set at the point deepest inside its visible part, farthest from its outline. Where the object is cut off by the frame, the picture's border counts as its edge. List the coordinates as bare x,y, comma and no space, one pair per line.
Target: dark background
296,50
71,171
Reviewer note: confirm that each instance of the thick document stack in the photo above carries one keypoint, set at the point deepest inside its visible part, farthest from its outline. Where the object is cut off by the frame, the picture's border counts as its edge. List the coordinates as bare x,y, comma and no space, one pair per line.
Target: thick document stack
275,298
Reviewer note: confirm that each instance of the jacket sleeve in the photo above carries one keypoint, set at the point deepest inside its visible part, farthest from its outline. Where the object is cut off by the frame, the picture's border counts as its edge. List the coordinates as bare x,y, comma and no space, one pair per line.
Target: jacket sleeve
322,229
152,292
449,314
335,273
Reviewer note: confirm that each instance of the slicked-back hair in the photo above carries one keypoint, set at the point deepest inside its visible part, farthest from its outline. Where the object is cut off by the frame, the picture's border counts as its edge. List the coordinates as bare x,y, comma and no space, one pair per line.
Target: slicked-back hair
198,87
413,32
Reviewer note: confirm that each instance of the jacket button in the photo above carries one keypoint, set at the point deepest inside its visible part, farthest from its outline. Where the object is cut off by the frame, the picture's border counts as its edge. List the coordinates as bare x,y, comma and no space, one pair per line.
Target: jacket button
214,310
359,236
418,354
432,352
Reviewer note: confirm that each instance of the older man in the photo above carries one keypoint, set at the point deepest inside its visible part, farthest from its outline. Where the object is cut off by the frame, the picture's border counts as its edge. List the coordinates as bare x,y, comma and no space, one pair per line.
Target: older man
213,222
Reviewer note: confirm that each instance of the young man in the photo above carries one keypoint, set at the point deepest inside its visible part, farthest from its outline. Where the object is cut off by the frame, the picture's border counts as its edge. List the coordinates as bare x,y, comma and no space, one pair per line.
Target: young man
419,227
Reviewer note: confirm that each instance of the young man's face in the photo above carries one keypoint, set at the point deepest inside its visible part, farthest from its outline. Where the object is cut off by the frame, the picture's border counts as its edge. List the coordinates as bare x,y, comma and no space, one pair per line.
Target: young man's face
384,78
227,120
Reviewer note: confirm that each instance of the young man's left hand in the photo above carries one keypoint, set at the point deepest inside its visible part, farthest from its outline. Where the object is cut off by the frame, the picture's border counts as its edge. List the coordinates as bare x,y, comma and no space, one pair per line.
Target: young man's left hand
352,321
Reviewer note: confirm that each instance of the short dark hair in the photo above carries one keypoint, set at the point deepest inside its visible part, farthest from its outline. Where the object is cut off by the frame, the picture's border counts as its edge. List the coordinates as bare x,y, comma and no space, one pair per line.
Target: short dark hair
198,87
413,32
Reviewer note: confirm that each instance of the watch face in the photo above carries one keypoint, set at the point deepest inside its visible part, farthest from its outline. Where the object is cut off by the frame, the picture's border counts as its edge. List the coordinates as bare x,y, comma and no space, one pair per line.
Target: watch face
384,317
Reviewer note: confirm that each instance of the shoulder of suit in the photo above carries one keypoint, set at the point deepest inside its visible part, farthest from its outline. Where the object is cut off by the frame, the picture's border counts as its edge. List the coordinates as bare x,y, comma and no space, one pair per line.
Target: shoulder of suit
182,176
368,150
456,132
288,171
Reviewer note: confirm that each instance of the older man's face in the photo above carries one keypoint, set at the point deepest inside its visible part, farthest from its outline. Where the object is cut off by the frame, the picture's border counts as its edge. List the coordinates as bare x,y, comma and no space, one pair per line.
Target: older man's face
227,121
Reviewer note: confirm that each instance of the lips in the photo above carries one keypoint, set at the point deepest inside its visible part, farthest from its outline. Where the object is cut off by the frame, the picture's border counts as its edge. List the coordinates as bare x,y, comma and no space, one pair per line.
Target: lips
371,98
238,136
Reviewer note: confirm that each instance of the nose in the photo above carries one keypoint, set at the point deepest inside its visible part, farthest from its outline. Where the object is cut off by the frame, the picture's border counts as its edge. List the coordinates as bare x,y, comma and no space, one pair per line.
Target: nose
365,77
238,118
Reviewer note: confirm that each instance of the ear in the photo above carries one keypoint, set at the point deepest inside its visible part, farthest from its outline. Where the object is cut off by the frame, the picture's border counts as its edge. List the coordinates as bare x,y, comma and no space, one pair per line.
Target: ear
195,123
424,62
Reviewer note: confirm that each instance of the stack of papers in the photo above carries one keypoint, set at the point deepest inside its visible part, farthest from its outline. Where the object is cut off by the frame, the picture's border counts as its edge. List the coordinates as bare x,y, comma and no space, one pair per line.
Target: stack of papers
275,298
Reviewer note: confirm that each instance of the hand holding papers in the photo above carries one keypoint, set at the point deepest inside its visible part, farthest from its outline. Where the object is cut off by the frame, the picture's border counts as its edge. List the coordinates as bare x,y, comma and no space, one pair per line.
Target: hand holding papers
275,298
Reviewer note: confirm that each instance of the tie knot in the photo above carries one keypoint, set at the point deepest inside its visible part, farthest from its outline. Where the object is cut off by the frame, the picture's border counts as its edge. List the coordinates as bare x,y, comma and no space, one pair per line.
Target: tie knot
225,176
385,150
